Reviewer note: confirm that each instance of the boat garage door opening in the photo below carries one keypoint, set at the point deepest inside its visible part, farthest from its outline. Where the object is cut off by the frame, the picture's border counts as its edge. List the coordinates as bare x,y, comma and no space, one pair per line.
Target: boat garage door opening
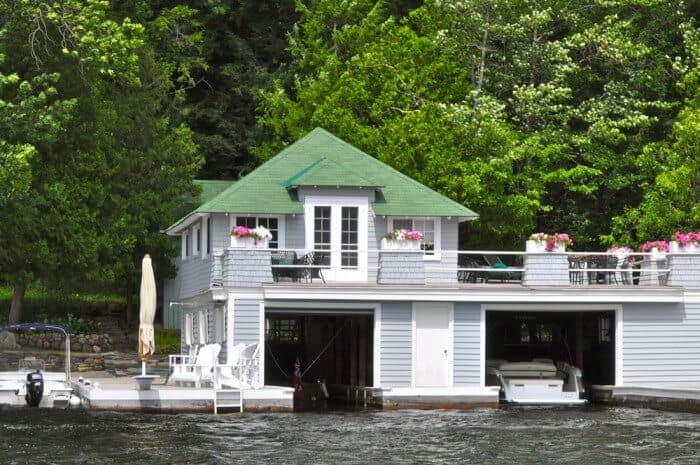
583,339
335,353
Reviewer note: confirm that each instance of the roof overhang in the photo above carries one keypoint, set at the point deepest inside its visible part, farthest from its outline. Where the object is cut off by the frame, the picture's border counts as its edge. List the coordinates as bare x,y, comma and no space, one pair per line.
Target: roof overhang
184,223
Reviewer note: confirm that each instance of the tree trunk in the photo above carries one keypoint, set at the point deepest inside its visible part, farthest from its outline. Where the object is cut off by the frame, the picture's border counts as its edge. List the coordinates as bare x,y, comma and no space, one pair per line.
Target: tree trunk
17,303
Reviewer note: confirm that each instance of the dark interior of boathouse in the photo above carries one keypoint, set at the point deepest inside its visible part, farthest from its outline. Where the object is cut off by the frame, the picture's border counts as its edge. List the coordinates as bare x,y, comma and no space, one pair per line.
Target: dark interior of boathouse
334,348
584,339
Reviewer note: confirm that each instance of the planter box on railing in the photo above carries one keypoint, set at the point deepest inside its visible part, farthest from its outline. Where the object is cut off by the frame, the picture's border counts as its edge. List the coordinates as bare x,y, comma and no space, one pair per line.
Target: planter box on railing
684,265
399,262
690,247
249,242
394,244
543,268
541,246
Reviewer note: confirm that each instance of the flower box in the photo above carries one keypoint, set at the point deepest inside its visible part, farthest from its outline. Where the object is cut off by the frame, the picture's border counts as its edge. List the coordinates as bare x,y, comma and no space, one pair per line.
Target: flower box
685,242
541,246
249,242
247,238
400,244
691,247
541,242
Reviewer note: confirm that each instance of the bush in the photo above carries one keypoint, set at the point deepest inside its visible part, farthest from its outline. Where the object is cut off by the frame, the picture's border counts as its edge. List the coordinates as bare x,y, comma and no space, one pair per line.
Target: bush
167,341
76,325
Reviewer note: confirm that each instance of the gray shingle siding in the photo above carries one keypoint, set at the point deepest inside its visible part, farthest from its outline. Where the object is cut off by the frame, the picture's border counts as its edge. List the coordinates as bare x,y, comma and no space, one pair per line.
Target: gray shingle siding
194,274
396,344
401,268
661,344
222,235
246,321
294,232
247,268
546,269
684,270
445,269
467,337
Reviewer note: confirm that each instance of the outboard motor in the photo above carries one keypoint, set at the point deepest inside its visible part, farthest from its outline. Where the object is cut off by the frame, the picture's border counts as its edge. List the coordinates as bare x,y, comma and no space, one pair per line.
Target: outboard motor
35,388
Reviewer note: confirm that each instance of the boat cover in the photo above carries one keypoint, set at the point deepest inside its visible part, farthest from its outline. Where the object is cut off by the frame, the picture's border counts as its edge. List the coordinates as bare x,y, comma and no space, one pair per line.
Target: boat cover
528,370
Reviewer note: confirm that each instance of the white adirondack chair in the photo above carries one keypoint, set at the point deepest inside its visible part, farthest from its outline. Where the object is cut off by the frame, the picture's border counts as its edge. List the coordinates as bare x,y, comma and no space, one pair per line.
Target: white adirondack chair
242,369
202,370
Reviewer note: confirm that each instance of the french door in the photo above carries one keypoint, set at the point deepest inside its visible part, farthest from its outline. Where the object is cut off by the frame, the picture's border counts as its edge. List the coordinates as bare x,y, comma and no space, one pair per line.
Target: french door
336,229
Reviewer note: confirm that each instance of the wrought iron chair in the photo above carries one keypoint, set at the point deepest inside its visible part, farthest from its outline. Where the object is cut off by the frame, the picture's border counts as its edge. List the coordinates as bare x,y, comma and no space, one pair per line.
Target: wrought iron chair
281,258
311,261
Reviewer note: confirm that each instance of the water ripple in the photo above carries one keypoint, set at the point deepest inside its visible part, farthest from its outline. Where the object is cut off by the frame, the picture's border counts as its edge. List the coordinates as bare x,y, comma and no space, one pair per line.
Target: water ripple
592,435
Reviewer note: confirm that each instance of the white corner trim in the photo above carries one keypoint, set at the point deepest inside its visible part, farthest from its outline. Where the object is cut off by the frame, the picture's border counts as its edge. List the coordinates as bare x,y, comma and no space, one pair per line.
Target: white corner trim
413,344
230,305
377,347
451,346
619,347
482,347
261,366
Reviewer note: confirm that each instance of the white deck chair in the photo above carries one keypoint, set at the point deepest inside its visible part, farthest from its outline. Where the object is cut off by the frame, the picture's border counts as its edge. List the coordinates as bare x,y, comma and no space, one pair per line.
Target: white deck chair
242,369
180,363
202,370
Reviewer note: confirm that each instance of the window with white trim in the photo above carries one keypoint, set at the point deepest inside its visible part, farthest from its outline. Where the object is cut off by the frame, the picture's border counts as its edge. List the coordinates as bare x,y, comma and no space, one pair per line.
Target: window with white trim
272,223
430,227
196,239
209,234
185,245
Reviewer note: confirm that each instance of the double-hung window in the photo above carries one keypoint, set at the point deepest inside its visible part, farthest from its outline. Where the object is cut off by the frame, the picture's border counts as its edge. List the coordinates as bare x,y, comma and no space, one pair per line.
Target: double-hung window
272,223
430,227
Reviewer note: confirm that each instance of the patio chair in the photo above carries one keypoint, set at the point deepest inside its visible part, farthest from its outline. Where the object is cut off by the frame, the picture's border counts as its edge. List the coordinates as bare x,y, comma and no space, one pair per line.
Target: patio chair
471,276
202,370
284,257
494,261
311,260
242,369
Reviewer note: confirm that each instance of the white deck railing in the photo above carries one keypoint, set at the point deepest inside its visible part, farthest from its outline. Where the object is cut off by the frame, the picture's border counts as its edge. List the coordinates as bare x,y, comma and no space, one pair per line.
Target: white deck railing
496,266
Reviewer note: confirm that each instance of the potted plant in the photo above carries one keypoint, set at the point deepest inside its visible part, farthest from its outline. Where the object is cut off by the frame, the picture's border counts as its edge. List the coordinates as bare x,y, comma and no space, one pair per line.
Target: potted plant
402,239
244,237
655,247
541,242
685,242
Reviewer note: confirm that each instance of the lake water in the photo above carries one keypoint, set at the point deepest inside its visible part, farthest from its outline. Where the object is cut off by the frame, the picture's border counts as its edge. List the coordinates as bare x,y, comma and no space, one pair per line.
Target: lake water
590,435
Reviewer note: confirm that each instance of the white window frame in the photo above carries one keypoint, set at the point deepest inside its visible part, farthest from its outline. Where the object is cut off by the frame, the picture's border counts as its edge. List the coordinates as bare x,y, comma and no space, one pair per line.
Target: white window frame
437,227
196,248
205,235
183,244
358,274
281,226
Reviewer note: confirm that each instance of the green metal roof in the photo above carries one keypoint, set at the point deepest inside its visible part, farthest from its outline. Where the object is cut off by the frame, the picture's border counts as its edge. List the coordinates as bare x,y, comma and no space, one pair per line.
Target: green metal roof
327,173
209,189
321,159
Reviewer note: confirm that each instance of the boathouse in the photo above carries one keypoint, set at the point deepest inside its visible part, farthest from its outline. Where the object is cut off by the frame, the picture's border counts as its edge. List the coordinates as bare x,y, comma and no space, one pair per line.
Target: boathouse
405,322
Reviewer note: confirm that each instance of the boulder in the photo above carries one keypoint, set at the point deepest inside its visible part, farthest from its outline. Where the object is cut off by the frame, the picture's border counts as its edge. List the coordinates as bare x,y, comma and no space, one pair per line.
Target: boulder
8,341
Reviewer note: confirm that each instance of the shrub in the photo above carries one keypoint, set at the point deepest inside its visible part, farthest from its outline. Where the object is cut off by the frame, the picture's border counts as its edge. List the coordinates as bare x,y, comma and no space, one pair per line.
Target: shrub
167,341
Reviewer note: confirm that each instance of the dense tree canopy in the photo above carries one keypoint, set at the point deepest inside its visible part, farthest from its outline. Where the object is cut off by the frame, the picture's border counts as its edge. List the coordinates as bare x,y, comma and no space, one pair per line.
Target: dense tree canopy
579,116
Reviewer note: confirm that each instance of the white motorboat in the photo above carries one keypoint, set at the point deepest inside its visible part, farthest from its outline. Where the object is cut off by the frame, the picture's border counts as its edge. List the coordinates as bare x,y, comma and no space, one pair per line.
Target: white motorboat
30,384
538,381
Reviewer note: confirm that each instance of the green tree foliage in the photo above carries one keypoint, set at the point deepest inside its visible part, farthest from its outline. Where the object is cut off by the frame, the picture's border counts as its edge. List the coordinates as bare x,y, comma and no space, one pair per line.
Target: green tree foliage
244,44
672,199
102,164
533,113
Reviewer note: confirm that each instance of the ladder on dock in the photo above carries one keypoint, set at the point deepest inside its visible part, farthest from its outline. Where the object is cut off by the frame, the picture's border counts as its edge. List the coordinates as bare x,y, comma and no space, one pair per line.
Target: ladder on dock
228,398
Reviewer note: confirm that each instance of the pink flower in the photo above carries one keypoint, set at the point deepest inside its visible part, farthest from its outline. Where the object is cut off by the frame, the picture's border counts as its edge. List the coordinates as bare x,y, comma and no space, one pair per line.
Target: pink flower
242,231
663,246
686,238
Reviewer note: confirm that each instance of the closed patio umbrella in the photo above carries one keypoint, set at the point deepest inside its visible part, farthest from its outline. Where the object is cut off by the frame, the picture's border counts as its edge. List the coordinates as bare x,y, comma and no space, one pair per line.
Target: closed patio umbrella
147,312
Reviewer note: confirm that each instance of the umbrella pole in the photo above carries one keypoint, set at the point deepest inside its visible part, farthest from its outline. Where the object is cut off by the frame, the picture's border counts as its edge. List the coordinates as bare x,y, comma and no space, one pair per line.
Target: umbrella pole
143,368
